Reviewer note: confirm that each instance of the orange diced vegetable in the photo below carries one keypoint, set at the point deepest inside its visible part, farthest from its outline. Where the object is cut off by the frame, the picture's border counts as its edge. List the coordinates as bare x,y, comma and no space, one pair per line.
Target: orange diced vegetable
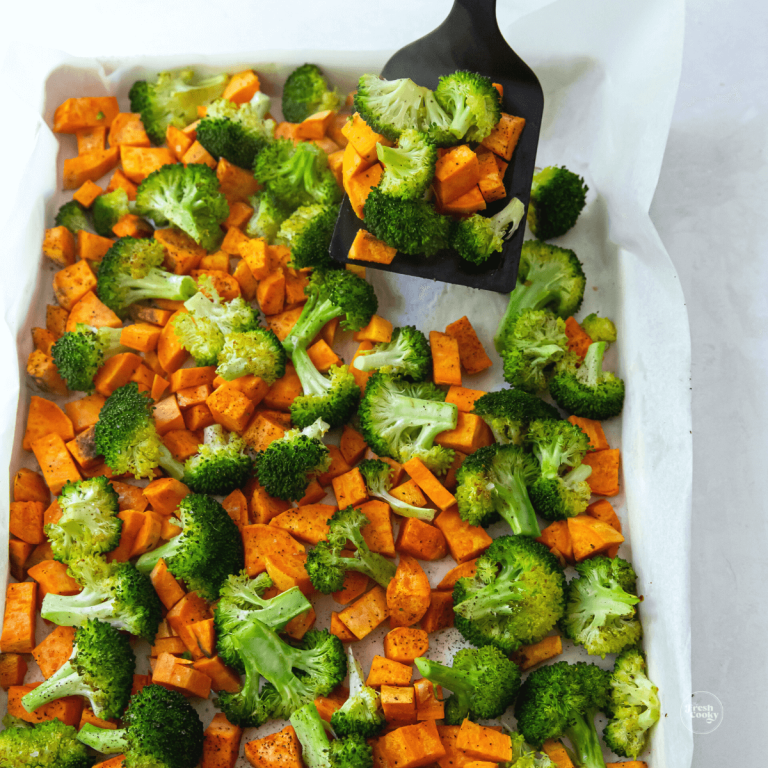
398,703
67,709
179,675
439,615
365,247
469,434
308,523
288,570
230,408
90,167
59,246
167,587
558,754
482,743
26,521
470,202
363,138
260,540
491,183
223,678
604,480
18,634
578,340
13,669
413,746
365,614
221,744
72,283
591,536
593,430
165,494
236,184
55,461
278,750
91,139
242,87
504,136
359,185
456,173
44,418
52,653
139,162
464,540
379,329
284,391
385,671
420,540
132,522
339,629
464,399
87,112
473,356
465,570
378,532
428,483
408,593
190,609
350,489
120,181
270,293
404,644
352,445
530,655
314,126
262,431
87,194
446,366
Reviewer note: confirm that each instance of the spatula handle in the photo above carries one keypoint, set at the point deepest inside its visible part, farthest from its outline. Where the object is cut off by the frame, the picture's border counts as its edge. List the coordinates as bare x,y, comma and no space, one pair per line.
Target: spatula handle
481,12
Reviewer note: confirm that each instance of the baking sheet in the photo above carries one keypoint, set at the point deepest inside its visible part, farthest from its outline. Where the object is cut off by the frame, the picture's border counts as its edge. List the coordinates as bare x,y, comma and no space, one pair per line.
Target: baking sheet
609,91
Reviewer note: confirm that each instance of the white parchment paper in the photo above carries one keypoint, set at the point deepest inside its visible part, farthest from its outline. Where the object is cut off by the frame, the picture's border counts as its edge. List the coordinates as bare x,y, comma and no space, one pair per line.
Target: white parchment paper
609,73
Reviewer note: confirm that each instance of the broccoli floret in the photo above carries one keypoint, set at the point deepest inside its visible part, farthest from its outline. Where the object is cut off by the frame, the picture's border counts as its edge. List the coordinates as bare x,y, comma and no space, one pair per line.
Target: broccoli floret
483,683
333,293
256,352
599,328
115,593
222,464
307,232
562,699
130,272
351,752
51,744
89,524
401,420
478,237
561,497
100,668
376,474
408,168
534,343
509,412
125,435
472,102
74,217
557,197
548,278
208,320
436,122
390,106
161,730
326,566
333,398
108,209
288,465
241,599
296,175
189,198
305,92
235,132
79,354
360,715
524,756
407,354
493,482
634,705
172,99
588,390
207,550
558,444
317,751
412,226
295,676
268,215
600,611
515,598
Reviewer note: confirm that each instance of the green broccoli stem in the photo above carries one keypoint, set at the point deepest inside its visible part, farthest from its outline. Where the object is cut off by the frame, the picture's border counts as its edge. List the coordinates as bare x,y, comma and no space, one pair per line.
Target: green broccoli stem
314,316
404,509
536,292
432,416
459,683
105,740
516,508
109,340
590,372
511,214
497,598
172,467
585,741
149,560
378,358
577,475
381,570
312,381
73,610
397,161
65,682
278,610
159,284
356,675
462,119
311,734
551,457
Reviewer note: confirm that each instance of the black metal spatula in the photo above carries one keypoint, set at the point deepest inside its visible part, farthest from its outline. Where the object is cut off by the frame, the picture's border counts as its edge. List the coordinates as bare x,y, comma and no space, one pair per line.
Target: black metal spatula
468,39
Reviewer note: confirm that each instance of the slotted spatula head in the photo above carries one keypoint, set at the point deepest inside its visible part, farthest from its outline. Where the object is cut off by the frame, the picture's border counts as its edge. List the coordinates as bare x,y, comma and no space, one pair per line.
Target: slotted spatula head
468,39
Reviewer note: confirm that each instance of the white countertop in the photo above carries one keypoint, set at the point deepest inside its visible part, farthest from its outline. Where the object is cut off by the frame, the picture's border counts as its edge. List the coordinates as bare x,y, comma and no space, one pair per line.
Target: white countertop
708,209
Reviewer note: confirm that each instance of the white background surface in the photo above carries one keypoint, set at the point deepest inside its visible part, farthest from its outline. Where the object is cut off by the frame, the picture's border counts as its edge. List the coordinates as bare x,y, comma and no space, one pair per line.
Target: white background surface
709,210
